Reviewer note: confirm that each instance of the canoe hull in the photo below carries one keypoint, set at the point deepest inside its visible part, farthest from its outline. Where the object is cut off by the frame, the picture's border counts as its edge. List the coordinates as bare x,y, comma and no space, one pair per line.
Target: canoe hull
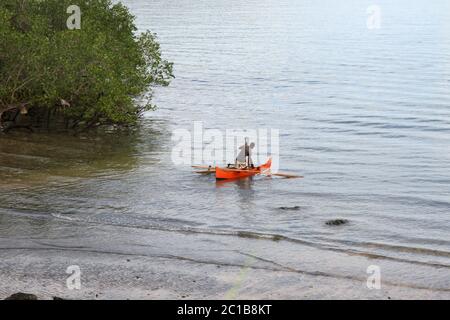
223,173
227,173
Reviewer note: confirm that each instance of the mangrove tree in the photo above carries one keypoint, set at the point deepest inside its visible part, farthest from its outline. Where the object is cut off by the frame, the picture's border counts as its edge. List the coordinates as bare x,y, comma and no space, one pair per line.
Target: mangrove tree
79,63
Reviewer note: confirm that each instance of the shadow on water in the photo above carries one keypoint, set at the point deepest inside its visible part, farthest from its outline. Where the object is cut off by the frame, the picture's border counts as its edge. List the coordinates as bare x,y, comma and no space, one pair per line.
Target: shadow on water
43,173
244,188
28,160
239,183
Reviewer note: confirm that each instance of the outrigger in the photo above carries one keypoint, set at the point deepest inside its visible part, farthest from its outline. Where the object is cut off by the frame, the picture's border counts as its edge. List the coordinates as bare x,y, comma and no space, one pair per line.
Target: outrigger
242,169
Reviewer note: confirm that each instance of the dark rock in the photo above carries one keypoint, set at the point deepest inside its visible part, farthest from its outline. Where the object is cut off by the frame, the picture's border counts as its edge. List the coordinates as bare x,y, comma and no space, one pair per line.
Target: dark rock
58,298
22,296
295,208
336,222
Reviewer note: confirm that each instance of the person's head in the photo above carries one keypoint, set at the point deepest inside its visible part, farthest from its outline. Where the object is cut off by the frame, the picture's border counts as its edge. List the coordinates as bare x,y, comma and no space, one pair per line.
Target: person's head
252,145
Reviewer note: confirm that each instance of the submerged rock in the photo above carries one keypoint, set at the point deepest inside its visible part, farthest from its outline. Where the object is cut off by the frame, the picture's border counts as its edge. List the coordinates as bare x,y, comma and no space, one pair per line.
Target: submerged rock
336,222
295,208
22,296
277,237
246,234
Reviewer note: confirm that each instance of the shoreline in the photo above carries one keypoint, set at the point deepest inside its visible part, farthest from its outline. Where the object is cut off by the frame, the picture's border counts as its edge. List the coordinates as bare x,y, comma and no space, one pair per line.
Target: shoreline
131,282
155,264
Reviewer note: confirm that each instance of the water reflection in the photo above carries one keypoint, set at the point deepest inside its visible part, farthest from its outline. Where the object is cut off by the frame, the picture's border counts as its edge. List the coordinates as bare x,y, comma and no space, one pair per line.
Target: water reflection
240,184
35,159
46,173
244,188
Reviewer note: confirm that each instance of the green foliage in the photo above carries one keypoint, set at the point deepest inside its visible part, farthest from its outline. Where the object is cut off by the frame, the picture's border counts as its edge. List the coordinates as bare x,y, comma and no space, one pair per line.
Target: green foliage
105,70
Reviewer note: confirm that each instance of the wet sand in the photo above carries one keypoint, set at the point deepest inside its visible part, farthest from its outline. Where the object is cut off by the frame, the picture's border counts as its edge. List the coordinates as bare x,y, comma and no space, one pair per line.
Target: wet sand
123,263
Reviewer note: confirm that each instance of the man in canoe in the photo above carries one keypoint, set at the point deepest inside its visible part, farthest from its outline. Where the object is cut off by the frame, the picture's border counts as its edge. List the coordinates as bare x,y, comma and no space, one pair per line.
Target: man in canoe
244,158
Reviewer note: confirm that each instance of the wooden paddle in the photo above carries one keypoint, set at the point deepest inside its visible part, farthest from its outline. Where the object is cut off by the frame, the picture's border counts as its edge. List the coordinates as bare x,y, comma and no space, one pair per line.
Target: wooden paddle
203,167
286,175
205,172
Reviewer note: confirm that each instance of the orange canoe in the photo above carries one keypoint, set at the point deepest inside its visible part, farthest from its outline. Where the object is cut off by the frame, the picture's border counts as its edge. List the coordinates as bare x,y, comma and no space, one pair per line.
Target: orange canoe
232,173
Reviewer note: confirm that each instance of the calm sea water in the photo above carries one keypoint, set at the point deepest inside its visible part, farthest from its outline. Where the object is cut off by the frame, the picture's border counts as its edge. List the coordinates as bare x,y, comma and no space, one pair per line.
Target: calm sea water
363,114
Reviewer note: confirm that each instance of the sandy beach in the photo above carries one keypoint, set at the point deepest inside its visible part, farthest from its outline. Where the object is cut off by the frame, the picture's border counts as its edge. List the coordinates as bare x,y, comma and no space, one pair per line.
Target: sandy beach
119,263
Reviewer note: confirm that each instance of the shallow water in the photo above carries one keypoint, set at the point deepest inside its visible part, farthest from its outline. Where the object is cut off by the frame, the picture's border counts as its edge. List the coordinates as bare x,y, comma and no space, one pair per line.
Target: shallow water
363,114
